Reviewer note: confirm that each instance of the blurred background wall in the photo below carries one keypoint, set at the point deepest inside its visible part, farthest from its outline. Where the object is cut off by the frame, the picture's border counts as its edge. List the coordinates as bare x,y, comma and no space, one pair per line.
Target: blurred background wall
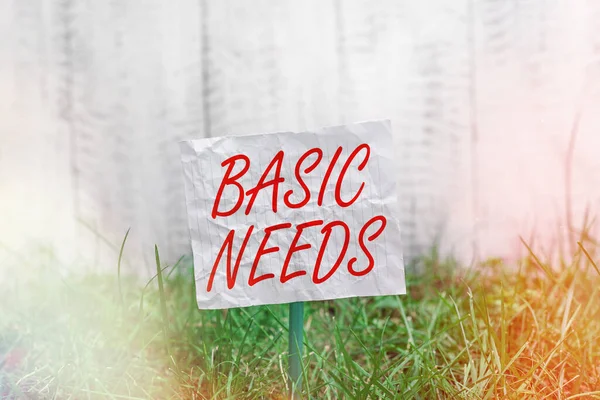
488,99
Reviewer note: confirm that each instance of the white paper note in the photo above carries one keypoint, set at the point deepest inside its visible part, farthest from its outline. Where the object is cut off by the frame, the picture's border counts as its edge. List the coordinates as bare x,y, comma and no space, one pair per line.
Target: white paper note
298,216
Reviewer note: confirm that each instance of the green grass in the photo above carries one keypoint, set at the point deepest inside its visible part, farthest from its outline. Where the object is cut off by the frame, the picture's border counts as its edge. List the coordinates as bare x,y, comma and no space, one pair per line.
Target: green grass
493,331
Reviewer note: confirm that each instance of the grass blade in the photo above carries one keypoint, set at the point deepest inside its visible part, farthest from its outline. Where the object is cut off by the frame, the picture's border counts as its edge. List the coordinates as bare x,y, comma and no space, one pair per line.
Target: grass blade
119,266
589,257
163,302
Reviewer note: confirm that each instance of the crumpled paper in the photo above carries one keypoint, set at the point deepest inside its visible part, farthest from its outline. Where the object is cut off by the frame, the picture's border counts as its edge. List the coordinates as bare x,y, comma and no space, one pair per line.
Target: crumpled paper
203,168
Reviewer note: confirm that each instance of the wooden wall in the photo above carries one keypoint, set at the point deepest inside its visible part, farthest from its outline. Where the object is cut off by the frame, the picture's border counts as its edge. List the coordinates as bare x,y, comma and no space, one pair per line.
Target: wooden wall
482,94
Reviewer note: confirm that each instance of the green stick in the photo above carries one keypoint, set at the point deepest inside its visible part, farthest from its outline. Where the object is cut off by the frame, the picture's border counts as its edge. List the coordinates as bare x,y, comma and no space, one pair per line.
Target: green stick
295,360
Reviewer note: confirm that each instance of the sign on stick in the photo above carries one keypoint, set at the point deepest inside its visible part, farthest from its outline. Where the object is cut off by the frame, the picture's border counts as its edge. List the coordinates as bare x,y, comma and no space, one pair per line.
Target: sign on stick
288,217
